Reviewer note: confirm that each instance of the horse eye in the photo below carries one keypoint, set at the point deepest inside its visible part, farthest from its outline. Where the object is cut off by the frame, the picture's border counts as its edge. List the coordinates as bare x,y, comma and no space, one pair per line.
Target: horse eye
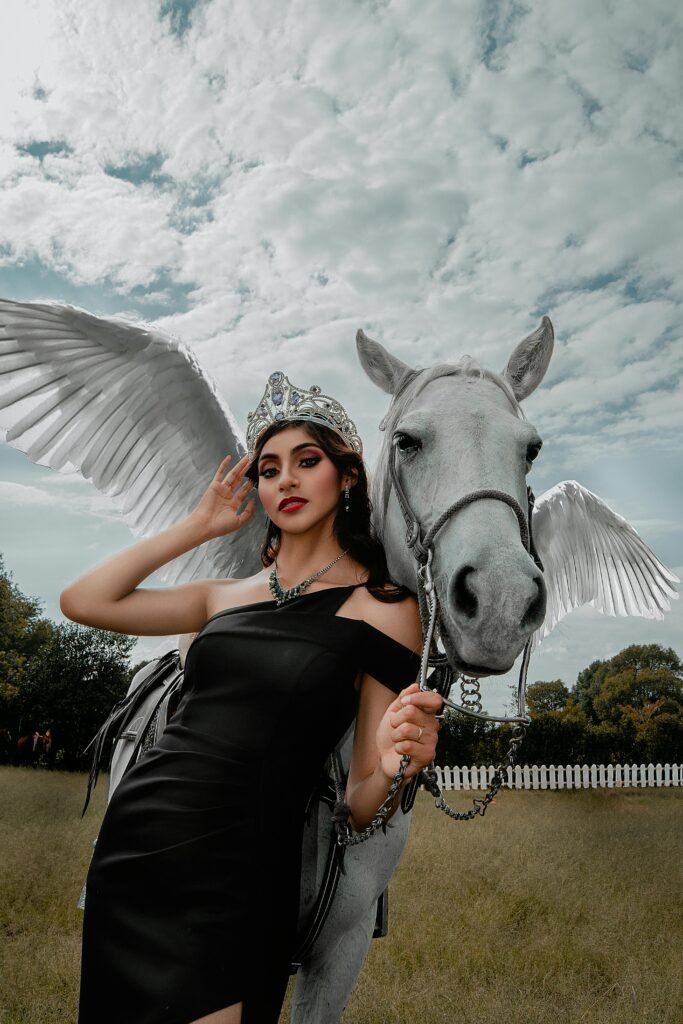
407,443
533,450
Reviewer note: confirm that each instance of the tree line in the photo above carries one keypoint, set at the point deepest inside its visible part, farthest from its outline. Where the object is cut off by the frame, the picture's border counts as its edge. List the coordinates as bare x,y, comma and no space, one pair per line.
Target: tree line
627,709
56,679
63,680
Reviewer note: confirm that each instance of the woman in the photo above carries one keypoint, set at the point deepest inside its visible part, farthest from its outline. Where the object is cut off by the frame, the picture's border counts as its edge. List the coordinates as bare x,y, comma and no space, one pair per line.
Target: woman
193,889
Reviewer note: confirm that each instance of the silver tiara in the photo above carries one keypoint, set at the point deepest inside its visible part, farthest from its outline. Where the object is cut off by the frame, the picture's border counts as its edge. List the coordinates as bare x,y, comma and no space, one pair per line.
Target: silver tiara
283,401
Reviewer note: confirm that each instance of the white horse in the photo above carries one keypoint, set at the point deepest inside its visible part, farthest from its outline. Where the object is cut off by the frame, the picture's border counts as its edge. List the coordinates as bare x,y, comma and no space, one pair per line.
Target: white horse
132,411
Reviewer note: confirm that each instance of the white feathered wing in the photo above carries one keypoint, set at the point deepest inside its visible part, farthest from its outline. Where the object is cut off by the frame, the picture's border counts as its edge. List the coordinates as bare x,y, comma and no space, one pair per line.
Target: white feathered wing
591,555
131,409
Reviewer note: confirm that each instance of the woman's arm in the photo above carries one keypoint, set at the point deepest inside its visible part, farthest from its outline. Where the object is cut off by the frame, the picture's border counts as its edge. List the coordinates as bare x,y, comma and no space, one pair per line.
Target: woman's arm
388,726
107,597
386,729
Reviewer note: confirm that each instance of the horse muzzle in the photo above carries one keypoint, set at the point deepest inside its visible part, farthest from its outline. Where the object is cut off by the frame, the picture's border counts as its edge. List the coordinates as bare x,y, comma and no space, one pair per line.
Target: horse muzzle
490,609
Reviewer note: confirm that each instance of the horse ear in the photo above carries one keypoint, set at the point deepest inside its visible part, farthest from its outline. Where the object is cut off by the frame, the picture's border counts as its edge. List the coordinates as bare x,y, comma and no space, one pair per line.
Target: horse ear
383,369
528,363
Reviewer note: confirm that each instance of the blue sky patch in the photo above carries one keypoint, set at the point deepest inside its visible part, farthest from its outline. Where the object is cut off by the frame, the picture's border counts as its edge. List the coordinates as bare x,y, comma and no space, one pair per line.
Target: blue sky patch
498,30
193,205
39,92
636,61
161,297
33,281
528,158
179,15
42,148
142,170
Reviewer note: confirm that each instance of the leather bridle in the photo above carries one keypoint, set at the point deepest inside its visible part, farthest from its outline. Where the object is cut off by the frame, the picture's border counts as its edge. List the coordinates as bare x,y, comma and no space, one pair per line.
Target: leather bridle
421,546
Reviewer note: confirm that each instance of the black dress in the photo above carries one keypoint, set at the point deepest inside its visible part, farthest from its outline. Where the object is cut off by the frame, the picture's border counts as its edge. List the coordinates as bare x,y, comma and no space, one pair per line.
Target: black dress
193,889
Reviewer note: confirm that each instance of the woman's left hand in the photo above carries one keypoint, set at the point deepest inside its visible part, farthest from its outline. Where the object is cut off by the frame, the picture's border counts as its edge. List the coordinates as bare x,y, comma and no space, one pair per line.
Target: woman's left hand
409,727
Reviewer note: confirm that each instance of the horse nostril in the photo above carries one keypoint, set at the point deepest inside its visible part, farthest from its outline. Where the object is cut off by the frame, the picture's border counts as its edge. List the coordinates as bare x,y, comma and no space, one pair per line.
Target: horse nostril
535,612
465,599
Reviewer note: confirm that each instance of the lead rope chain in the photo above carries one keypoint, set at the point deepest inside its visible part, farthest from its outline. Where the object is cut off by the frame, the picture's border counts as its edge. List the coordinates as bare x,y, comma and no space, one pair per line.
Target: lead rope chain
469,687
346,836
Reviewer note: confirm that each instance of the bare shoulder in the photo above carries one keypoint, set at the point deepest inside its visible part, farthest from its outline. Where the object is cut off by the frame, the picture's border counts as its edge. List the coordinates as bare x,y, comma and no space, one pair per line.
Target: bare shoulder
218,584
229,593
398,619
215,588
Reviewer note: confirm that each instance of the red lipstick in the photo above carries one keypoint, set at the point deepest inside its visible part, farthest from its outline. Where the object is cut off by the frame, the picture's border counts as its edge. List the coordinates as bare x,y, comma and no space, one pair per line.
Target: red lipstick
292,503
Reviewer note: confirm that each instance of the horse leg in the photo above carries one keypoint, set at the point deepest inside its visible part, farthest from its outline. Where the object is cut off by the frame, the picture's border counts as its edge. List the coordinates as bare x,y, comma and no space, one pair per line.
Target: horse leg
326,978
325,981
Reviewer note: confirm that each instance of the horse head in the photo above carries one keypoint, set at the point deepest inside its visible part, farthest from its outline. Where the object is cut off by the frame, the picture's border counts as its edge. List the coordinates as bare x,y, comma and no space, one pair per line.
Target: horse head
457,429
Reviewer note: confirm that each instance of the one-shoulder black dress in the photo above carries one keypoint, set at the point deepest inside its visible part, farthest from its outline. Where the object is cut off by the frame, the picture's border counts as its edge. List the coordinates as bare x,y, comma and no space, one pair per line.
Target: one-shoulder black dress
193,889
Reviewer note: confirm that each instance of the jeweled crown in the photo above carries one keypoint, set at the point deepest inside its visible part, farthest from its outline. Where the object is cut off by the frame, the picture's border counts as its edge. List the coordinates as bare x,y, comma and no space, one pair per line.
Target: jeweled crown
283,401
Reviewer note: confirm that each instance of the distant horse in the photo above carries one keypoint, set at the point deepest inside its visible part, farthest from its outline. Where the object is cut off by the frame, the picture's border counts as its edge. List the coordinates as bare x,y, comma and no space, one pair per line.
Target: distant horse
31,748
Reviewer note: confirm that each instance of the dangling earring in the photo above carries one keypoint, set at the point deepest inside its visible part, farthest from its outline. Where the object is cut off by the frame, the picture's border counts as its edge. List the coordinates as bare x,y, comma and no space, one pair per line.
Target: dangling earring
346,498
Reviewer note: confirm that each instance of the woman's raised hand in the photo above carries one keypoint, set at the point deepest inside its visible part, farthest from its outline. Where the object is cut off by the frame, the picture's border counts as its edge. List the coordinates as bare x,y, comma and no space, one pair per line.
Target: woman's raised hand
409,726
217,511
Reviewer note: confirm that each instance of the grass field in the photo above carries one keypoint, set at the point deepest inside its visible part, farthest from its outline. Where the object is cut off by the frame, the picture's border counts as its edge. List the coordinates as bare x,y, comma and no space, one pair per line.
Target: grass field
557,908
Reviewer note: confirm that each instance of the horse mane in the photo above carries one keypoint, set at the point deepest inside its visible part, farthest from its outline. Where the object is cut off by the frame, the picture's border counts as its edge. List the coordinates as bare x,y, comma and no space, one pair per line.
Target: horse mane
409,388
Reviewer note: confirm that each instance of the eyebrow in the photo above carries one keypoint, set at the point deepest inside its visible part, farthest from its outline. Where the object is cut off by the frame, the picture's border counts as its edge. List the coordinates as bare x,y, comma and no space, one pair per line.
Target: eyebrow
296,448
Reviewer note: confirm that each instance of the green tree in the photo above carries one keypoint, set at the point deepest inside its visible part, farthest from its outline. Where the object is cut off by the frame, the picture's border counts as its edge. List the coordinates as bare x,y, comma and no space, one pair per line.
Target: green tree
634,705
465,740
22,630
637,658
71,684
555,735
542,697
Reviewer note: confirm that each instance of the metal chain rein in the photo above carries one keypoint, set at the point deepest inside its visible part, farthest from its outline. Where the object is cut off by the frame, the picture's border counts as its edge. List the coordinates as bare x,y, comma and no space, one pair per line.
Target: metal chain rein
345,834
470,700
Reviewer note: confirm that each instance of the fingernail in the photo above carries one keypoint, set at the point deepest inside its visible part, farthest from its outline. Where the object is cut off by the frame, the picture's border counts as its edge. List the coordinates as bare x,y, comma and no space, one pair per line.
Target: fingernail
406,700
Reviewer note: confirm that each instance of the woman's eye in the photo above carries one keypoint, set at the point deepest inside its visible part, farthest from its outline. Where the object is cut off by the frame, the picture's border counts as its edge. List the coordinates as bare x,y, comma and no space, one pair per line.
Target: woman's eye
307,462
407,443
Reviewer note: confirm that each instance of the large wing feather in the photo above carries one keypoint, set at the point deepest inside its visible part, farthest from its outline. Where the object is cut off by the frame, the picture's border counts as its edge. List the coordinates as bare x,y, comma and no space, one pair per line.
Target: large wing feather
131,409
593,556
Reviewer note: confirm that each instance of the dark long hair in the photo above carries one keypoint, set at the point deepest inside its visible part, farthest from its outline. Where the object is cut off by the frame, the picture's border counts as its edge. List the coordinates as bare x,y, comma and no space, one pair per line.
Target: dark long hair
352,529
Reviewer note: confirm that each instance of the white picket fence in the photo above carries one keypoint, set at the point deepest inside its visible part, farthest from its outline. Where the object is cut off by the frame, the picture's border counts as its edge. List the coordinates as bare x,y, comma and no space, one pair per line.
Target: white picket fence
569,776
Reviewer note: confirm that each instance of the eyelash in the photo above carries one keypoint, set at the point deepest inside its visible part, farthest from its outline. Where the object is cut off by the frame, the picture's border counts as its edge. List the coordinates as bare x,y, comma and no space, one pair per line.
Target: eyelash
315,459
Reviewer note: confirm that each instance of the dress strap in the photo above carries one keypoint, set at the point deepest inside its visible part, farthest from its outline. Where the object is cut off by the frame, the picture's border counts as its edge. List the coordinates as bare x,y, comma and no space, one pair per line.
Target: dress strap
387,660
329,600
339,595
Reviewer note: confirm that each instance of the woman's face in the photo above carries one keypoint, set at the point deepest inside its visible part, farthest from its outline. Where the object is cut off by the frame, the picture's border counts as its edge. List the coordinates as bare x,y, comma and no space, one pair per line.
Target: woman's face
293,465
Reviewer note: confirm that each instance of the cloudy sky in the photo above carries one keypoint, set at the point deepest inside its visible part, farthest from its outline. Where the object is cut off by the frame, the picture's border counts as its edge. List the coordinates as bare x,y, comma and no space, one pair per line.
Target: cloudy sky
262,178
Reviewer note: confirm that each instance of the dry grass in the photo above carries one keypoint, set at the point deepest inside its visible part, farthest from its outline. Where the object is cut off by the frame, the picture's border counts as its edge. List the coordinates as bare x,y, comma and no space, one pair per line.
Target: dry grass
562,907
557,907
45,853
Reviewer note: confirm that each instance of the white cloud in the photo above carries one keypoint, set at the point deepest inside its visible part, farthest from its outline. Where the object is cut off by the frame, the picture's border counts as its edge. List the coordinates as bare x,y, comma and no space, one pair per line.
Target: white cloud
22,494
17,495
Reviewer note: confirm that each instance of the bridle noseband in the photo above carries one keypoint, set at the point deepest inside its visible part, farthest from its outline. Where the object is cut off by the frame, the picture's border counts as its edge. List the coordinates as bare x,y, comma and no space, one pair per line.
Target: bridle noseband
420,547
